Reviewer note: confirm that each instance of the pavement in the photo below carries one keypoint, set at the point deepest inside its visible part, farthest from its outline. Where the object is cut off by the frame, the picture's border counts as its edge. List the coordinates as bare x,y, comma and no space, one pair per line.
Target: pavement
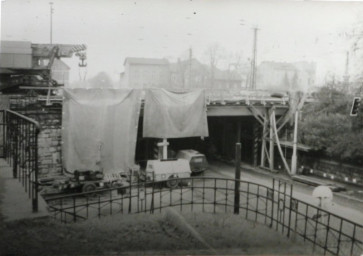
14,201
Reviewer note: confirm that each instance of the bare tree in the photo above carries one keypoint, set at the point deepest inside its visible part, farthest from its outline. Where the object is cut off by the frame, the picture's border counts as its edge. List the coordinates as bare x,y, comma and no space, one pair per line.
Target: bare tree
215,54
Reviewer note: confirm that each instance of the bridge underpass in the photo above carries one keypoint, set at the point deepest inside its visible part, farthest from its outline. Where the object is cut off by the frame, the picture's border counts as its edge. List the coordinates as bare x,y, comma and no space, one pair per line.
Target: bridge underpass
227,124
224,133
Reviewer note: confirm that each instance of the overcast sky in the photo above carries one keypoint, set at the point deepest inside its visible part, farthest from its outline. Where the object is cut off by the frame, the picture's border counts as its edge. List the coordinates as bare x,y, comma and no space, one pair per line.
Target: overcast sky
116,29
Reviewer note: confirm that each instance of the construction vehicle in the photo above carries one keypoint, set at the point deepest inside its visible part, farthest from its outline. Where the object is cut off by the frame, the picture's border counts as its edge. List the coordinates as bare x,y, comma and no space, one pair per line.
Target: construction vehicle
82,181
168,172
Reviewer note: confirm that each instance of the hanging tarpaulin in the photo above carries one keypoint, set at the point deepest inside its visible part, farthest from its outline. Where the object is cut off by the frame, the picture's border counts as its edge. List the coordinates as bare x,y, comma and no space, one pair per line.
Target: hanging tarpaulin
100,129
175,114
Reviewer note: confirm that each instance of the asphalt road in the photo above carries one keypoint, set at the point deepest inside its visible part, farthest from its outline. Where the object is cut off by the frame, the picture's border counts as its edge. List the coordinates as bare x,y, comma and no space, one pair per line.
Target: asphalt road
345,206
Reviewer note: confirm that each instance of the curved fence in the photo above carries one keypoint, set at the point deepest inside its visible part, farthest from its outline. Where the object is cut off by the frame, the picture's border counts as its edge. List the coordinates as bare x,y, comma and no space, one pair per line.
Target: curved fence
270,205
20,148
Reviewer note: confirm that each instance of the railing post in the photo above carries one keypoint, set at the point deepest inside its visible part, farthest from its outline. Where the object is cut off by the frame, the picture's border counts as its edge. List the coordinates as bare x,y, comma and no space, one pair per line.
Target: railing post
290,211
35,182
4,128
237,178
152,197
353,240
273,203
15,151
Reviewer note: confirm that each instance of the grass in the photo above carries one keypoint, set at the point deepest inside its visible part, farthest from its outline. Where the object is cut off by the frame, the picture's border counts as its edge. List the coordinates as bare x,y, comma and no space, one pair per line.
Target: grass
144,234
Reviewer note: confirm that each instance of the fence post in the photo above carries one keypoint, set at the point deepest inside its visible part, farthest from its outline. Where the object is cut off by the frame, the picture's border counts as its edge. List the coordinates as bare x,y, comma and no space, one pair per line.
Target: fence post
35,182
273,203
15,154
4,128
290,211
237,178
152,197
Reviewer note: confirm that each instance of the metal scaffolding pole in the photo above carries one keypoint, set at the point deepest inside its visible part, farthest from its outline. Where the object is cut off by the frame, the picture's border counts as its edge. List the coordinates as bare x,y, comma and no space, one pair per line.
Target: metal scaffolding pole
272,145
294,149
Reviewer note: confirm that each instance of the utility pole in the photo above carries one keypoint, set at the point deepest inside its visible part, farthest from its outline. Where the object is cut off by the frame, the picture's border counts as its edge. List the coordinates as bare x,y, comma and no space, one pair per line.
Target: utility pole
51,22
253,62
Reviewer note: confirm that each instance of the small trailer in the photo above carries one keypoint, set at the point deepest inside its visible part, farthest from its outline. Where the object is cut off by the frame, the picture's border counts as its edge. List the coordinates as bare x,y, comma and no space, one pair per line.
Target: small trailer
82,181
86,181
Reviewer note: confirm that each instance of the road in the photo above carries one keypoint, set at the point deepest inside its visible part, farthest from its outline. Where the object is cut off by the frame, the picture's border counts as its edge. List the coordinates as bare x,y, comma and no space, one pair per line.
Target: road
341,205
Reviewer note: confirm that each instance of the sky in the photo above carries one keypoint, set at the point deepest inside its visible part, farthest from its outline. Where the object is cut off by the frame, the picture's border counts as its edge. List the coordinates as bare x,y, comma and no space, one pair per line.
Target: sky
313,31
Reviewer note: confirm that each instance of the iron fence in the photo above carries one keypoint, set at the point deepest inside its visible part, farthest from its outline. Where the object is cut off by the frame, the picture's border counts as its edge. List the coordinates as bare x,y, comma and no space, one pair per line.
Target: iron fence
2,133
270,205
20,140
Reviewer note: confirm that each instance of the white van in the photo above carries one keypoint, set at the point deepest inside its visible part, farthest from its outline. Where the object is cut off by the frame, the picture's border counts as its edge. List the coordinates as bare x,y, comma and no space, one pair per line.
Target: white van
168,170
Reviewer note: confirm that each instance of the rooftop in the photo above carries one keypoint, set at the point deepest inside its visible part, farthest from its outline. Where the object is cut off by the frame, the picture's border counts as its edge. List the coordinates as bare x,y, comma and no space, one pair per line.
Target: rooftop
146,61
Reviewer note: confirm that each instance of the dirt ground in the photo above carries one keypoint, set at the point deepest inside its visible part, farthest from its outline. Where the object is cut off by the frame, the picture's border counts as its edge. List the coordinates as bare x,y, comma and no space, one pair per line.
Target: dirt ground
145,234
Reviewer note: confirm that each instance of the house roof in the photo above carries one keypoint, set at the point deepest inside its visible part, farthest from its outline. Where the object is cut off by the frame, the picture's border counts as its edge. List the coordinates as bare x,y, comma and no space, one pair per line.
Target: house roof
146,61
196,65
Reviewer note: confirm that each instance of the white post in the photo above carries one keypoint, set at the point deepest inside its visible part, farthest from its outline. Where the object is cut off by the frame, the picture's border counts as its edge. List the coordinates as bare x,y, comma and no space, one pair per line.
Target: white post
294,149
164,145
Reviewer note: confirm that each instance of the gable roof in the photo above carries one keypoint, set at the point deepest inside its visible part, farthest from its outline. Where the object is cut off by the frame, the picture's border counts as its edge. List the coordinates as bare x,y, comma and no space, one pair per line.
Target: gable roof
146,61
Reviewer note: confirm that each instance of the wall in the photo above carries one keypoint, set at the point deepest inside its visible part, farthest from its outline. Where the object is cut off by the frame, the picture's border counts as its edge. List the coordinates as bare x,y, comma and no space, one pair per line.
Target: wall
145,76
332,170
49,138
16,54
49,142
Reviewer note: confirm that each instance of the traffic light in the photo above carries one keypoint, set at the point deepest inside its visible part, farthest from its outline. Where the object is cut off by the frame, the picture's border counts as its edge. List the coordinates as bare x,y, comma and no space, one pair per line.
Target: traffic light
355,106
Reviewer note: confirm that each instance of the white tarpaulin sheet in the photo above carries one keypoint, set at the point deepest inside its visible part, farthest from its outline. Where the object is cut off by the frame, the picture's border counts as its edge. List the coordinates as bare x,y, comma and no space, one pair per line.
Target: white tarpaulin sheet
100,129
174,114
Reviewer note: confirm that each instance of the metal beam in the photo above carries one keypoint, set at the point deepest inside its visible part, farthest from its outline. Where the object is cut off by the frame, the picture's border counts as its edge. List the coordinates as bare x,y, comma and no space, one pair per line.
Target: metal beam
65,50
238,110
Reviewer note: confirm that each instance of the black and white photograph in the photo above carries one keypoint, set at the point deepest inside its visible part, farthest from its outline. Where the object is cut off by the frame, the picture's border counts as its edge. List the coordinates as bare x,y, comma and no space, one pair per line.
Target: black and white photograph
181,127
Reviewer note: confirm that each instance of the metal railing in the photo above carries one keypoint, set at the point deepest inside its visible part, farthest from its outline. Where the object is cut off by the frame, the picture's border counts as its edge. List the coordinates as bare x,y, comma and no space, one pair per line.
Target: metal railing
270,205
21,151
2,133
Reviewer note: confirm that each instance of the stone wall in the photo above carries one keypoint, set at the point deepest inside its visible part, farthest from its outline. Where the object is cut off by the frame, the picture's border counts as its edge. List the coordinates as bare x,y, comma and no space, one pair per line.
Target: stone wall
49,142
49,137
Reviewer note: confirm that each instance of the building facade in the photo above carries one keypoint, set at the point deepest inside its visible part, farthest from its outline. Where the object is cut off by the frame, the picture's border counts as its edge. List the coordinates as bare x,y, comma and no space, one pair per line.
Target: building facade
146,73
187,74
285,76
